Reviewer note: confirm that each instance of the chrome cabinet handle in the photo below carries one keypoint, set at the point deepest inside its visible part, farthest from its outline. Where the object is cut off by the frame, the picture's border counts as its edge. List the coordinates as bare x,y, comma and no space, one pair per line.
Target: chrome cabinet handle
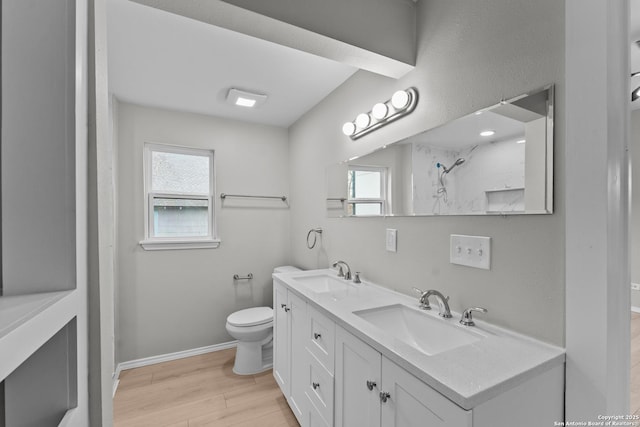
283,305
371,384
286,309
384,396
315,385
316,335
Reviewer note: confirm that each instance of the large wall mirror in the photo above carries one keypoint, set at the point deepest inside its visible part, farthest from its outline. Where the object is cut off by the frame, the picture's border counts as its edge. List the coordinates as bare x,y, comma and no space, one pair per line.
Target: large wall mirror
498,160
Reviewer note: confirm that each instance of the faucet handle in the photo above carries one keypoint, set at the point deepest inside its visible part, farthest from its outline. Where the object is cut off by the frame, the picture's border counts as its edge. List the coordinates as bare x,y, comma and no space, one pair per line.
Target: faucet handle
356,277
340,271
424,302
467,318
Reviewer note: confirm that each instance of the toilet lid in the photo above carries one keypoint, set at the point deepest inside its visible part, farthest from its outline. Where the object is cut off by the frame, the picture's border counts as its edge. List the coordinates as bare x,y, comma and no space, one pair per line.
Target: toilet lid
251,316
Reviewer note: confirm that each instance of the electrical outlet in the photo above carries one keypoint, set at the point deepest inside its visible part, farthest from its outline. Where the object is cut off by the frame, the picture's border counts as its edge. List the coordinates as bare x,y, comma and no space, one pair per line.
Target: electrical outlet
392,240
635,287
472,251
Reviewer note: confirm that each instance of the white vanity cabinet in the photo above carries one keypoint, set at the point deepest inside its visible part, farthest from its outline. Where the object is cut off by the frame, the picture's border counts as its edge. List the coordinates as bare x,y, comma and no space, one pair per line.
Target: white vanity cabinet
373,391
289,359
332,377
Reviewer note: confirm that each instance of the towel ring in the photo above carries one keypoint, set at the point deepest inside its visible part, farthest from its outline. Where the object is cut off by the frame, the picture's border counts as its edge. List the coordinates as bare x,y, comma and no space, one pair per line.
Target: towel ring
315,232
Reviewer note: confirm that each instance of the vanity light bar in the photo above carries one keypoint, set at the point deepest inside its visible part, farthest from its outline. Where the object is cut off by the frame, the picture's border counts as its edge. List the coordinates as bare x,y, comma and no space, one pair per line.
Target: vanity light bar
401,103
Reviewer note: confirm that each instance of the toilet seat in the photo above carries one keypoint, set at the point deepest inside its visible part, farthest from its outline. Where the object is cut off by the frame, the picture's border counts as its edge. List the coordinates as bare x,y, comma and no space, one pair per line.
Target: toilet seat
251,317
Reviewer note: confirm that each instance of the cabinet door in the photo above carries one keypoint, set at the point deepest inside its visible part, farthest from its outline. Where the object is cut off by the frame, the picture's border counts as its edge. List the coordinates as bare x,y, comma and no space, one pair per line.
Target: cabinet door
412,403
297,321
357,368
281,338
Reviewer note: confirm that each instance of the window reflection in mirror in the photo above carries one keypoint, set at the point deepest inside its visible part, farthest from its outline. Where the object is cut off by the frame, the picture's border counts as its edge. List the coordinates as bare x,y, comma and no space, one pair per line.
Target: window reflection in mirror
498,160
367,190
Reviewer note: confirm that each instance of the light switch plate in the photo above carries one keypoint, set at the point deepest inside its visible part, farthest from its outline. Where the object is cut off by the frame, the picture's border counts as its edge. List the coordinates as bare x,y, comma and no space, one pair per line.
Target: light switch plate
472,251
392,240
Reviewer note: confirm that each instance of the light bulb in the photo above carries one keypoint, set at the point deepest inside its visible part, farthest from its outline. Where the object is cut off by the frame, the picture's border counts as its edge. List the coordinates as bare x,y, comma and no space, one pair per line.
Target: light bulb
400,99
379,111
363,120
349,128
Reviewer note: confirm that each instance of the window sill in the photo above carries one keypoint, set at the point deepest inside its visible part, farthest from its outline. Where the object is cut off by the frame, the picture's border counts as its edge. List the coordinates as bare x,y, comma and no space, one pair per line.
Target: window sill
165,245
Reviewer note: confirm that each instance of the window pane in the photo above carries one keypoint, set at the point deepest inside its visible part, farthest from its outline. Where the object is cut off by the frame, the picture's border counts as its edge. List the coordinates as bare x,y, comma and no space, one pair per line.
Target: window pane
364,184
365,209
184,173
180,217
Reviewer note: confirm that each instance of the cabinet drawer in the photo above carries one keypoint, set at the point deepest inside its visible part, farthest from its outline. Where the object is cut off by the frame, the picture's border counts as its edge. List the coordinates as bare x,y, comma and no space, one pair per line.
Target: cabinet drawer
319,388
321,338
314,419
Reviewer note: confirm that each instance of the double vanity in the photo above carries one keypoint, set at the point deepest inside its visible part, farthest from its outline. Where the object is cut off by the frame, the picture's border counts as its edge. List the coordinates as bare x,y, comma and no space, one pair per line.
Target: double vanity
352,354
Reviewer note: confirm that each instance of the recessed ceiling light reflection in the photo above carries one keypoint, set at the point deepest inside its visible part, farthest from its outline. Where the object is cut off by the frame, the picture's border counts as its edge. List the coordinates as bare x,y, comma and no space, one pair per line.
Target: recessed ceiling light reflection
487,133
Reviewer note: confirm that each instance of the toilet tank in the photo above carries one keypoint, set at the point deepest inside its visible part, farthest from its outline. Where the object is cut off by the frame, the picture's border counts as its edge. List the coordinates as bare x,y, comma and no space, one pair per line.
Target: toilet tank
286,269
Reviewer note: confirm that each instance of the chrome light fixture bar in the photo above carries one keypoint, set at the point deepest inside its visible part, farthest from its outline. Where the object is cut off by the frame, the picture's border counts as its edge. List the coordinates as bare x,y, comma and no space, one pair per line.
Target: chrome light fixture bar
401,103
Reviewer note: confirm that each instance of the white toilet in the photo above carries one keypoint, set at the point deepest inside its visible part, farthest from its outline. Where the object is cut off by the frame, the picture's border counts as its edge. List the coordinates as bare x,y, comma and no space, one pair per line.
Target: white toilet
253,328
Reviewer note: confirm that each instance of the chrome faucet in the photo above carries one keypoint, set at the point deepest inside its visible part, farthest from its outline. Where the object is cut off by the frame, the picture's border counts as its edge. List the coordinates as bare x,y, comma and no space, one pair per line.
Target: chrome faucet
443,302
341,272
467,318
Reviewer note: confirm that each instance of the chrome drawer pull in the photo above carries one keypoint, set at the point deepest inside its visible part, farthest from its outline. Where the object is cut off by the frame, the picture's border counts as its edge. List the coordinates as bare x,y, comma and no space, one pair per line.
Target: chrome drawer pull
316,335
371,384
384,396
315,385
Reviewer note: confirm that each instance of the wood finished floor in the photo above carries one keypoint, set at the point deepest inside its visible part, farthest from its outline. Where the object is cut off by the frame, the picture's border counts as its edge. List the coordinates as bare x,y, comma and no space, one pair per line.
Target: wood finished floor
199,391
635,364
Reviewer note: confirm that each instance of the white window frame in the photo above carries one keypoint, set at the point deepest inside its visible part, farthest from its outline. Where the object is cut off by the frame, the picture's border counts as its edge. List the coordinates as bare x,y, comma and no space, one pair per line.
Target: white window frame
186,242
382,201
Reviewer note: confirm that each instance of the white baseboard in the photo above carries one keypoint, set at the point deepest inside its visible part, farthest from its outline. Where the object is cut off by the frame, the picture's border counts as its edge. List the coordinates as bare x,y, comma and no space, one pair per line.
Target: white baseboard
146,361
116,382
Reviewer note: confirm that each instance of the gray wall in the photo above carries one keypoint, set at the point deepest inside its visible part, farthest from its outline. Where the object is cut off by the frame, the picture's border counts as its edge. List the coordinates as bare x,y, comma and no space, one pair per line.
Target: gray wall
38,146
634,221
470,55
169,301
41,390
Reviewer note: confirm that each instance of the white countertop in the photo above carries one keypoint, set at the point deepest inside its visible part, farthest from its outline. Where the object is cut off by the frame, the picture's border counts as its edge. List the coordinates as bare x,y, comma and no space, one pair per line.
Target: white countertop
468,375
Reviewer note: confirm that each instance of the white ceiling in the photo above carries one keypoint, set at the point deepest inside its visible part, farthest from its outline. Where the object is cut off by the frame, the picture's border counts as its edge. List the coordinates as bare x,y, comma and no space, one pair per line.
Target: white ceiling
465,131
164,60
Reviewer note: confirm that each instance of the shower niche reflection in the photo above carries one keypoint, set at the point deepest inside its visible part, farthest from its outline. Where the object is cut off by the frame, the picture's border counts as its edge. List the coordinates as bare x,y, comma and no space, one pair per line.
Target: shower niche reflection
498,160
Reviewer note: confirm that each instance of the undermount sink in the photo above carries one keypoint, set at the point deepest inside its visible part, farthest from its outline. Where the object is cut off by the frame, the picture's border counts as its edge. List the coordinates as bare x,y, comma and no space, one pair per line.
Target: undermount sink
325,284
426,333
